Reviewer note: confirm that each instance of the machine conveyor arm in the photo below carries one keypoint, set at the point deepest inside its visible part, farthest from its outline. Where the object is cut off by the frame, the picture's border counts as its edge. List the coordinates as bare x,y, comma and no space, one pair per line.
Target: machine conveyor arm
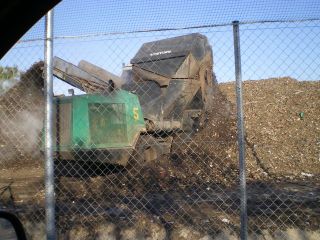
77,77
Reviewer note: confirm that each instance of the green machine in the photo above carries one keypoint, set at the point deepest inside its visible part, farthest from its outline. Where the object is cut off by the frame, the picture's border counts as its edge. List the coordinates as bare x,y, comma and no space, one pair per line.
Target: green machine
167,89
98,127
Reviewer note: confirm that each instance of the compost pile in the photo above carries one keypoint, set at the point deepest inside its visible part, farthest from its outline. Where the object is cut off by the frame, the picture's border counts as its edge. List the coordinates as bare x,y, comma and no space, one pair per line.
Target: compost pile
282,124
21,119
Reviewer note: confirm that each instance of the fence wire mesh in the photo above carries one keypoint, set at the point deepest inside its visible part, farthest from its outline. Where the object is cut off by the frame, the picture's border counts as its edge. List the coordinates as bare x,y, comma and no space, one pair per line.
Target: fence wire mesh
145,138
21,120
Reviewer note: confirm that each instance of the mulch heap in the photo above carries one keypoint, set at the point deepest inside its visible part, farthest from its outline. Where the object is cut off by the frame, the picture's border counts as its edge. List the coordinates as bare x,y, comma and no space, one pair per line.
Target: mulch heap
282,124
21,117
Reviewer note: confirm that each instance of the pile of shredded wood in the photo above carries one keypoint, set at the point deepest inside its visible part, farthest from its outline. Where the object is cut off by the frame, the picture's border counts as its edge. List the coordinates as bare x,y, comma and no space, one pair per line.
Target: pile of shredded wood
282,133
282,124
21,118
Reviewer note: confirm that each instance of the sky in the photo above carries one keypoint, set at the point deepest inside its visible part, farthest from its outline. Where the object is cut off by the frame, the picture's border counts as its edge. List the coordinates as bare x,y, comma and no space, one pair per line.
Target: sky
104,33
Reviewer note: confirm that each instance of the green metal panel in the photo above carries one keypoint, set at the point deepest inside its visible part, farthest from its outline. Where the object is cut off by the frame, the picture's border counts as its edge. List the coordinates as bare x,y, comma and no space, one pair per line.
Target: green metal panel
80,124
104,122
107,123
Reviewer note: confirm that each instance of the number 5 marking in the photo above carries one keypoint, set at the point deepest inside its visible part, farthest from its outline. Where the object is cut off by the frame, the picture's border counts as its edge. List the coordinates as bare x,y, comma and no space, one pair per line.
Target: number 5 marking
135,113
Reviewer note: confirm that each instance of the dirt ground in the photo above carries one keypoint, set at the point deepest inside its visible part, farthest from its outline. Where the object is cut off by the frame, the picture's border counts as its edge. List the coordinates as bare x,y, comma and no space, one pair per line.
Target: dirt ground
193,191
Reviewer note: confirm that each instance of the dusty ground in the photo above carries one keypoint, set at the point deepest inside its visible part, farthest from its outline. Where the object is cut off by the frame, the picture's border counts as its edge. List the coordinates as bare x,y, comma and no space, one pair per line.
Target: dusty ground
191,194
87,207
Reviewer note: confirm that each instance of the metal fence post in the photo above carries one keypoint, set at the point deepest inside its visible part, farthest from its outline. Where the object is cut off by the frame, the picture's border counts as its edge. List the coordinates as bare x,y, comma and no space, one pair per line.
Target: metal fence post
240,127
49,165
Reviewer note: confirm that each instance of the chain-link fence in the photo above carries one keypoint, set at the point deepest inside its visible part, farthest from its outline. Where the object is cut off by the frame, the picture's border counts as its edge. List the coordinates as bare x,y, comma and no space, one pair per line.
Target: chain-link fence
145,128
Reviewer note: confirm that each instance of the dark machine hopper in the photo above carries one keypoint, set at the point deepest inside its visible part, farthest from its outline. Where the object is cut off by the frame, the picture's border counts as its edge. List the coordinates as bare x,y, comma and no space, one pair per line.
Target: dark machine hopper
173,79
